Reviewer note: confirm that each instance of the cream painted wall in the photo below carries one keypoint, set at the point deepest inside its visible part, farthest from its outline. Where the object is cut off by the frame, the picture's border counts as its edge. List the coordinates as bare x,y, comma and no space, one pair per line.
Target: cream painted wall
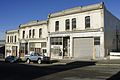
110,23
12,34
26,29
8,46
96,20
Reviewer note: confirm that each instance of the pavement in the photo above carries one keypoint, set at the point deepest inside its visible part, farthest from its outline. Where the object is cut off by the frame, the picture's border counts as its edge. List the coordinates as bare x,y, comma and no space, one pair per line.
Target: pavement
97,62
108,62
69,70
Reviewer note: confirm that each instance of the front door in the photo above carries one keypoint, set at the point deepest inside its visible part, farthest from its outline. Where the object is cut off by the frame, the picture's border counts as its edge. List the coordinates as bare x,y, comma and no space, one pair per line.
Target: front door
23,49
14,50
97,47
97,51
66,46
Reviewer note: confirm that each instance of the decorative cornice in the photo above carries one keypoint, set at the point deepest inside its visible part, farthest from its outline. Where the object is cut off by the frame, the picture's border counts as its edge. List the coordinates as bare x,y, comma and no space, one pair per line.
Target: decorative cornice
33,23
77,10
32,39
78,31
11,31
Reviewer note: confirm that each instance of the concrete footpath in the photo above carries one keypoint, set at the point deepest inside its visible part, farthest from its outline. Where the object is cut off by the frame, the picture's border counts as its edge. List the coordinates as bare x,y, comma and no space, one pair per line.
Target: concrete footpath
2,59
97,62
108,62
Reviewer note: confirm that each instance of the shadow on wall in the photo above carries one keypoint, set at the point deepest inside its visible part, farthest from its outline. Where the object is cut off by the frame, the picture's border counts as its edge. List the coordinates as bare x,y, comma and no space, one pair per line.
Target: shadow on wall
30,72
115,77
2,52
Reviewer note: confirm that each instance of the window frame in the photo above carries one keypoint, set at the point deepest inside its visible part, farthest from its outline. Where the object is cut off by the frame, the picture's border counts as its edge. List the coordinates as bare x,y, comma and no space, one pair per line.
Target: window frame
33,33
67,24
40,32
56,25
56,40
8,40
29,33
15,39
73,23
87,22
23,35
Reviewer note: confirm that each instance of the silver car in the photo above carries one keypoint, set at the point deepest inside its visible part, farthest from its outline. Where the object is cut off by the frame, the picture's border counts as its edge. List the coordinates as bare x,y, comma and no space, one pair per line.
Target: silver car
36,57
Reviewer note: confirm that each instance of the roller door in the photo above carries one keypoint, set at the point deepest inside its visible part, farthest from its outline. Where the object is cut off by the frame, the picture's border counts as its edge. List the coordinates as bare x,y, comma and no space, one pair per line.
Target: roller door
83,48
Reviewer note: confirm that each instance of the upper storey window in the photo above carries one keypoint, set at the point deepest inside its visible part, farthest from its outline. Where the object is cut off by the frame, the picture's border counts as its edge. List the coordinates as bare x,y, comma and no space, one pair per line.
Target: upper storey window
67,24
8,39
33,33
11,39
29,33
57,26
40,32
23,34
15,39
73,23
87,22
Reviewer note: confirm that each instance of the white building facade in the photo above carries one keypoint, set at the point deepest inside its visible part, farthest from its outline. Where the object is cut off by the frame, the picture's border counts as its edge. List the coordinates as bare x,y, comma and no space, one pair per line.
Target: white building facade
12,43
33,37
87,32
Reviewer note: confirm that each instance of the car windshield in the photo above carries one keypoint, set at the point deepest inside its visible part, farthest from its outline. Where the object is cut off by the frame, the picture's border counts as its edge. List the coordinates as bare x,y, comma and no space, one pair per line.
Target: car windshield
10,57
38,54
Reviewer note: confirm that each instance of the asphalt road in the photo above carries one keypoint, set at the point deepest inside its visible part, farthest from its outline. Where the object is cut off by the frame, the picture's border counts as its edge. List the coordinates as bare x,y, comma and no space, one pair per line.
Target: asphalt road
78,70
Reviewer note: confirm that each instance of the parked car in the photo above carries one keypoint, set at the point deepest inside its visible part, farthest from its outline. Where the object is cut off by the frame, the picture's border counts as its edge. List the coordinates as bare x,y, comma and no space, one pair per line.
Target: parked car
36,57
12,59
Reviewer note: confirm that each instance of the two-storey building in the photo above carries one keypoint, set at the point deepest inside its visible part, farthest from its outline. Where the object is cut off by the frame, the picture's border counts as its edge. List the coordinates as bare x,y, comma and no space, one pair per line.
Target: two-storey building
33,37
12,43
85,32
2,48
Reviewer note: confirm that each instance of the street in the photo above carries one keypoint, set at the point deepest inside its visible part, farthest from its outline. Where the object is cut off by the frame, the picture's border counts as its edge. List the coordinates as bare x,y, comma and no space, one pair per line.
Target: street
78,70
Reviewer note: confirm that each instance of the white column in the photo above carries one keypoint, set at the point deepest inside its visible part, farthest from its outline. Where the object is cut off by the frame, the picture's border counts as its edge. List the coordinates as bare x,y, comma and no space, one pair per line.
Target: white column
28,47
18,50
5,51
102,48
71,46
62,48
48,47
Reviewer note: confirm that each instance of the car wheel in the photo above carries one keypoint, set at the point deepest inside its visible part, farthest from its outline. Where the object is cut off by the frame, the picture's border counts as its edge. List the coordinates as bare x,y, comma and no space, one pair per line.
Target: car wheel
28,61
39,61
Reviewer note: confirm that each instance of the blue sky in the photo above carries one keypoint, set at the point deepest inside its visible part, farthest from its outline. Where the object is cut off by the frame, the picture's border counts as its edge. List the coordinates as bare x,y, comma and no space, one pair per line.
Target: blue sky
16,12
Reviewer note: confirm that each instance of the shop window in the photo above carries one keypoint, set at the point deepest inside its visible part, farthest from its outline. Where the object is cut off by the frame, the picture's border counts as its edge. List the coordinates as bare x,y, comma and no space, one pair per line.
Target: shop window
56,41
43,44
97,41
44,51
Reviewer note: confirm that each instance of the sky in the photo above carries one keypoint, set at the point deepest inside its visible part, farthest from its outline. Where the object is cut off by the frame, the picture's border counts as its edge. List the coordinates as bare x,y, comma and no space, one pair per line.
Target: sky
16,12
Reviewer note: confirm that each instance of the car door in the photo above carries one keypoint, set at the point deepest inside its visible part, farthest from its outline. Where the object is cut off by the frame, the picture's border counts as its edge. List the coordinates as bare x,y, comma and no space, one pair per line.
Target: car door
32,57
35,56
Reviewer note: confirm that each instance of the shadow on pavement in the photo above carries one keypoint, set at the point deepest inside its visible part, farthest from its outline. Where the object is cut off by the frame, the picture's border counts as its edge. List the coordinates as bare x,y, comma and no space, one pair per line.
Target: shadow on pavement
16,71
115,77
